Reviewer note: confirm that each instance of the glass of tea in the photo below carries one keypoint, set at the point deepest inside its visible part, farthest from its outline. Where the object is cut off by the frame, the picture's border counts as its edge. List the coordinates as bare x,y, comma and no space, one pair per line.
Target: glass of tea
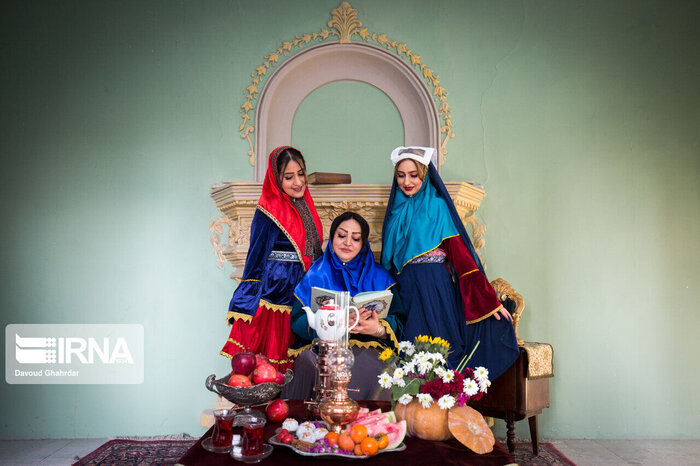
223,427
253,436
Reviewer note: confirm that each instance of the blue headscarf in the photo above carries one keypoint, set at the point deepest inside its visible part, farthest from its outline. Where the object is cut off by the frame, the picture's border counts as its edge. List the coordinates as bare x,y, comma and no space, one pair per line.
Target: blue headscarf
417,224
359,274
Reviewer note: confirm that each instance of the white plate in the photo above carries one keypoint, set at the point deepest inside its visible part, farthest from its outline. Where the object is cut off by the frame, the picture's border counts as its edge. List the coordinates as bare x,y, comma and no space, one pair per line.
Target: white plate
274,441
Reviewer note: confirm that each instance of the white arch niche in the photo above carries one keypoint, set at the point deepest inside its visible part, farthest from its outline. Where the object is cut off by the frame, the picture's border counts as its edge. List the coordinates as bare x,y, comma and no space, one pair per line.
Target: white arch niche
316,66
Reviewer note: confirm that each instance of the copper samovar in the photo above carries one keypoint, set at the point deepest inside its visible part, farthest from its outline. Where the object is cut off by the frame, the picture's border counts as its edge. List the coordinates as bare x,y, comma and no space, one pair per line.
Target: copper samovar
339,409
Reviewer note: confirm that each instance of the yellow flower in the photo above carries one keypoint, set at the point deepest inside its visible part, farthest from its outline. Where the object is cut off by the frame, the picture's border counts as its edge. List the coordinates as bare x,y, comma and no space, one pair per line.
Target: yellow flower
386,354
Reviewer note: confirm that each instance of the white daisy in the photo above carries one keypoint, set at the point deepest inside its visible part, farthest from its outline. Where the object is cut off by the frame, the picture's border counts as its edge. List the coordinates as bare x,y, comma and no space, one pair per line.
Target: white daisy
407,347
470,387
409,368
446,402
405,399
437,357
385,380
420,357
400,382
484,385
398,374
425,400
425,367
448,376
440,371
481,373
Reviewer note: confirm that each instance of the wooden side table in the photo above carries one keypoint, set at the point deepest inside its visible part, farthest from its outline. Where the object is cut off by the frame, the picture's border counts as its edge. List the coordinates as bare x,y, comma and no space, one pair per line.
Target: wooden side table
513,397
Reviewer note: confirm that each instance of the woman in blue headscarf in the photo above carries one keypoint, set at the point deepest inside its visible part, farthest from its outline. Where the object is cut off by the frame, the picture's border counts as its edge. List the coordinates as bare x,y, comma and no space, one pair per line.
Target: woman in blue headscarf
347,265
441,280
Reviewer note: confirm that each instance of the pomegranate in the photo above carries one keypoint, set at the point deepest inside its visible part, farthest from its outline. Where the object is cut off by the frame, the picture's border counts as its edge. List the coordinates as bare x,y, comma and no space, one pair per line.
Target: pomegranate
264,373
261,359
277,411
238,380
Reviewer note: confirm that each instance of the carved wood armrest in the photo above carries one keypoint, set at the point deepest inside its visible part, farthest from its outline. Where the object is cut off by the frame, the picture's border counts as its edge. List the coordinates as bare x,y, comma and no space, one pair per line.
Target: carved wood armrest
505,290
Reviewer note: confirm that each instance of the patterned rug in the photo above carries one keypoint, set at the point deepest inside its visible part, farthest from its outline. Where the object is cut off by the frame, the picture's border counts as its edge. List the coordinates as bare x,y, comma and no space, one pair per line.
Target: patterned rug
166,452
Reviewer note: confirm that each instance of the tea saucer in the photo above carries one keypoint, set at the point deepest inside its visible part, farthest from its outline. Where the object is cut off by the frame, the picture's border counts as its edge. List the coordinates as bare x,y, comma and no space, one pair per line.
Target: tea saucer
208,446
267,451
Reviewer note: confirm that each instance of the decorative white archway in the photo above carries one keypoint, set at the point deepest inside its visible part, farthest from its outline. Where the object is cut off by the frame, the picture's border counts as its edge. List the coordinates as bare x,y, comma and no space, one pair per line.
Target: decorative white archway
325,63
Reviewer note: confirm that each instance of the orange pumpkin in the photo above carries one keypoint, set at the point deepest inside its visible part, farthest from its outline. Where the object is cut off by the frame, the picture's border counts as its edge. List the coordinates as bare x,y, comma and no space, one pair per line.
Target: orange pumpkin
426,423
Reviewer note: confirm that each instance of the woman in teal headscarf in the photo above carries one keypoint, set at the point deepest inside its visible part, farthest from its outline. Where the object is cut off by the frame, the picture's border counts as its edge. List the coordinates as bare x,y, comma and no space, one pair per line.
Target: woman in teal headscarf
441,280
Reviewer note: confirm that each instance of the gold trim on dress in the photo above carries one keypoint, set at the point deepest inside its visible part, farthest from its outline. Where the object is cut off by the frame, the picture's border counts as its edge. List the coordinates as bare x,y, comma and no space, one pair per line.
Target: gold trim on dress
296,247
486,316
467,273
426,252
275,307
238,316
250,280
390,332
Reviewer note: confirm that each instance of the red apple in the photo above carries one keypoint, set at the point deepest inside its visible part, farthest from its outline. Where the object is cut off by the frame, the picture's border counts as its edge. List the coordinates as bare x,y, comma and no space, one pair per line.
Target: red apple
261,359
280,378
243,363
264,373
238,380
277,411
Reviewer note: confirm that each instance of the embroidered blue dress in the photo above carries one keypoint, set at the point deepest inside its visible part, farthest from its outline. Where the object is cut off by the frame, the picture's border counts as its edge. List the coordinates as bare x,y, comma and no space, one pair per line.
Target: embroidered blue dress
441,280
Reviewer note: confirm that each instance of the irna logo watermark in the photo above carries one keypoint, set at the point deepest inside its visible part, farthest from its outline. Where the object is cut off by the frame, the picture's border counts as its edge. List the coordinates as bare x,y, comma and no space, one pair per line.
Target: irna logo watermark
74,354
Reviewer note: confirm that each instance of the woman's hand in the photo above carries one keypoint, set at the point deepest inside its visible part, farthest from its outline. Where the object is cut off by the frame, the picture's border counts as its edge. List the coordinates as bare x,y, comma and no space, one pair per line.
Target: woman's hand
505,313
368,324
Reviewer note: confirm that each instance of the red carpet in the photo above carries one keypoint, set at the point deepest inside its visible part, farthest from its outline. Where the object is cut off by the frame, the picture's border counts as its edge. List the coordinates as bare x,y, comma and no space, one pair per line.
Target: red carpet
168,452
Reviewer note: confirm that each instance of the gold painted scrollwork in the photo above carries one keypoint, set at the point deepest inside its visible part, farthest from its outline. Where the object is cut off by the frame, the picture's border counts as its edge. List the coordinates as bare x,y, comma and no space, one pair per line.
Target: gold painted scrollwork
344,26
345,21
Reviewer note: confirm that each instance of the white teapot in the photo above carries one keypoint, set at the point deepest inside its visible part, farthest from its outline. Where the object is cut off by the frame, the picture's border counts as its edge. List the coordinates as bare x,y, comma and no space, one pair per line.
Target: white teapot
329,321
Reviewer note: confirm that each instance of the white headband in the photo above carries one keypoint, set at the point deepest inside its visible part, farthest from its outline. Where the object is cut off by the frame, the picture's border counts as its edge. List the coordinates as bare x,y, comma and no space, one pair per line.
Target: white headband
401,153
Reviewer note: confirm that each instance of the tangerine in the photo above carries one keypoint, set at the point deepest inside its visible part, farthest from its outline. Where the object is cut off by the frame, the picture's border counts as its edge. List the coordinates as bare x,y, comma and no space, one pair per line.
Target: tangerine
370,446
345,442
382,441
358,433
358,450
332,438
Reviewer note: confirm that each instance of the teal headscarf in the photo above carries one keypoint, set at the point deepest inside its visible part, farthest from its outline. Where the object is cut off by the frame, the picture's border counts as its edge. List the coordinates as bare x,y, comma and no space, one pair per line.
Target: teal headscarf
415,225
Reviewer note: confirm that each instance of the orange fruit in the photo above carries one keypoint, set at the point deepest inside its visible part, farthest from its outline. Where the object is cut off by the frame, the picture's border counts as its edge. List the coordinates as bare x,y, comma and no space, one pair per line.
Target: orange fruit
370,446
382,441
358,433
469,427
332,438
345,442
358,450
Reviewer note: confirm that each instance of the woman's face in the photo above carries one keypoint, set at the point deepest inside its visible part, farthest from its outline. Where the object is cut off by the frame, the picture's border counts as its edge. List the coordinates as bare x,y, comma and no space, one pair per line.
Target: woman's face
347,241
407,177
294,180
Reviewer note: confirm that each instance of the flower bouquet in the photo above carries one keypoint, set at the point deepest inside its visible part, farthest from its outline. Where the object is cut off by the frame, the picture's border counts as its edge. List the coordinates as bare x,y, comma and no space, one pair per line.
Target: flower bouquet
433,398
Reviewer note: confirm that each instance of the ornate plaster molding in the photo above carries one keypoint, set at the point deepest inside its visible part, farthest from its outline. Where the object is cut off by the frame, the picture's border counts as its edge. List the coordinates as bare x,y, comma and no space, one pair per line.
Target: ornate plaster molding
237,202
343,28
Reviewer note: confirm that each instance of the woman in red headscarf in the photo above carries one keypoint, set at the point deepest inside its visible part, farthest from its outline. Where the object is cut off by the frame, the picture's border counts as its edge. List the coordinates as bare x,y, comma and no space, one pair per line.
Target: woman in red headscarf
285,238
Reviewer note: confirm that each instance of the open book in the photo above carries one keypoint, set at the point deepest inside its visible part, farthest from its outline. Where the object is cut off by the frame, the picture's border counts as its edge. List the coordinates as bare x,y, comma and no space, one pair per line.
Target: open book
378,301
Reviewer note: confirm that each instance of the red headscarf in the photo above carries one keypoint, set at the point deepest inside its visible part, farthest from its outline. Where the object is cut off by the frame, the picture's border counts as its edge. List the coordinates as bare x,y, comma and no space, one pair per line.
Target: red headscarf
277,205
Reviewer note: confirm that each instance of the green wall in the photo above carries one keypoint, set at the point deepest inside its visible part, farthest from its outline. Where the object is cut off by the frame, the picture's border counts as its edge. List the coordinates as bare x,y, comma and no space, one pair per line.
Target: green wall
580,119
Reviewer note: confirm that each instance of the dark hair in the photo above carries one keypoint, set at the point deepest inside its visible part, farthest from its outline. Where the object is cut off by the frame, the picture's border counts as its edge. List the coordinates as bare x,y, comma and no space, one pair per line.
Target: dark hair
364,226
286,156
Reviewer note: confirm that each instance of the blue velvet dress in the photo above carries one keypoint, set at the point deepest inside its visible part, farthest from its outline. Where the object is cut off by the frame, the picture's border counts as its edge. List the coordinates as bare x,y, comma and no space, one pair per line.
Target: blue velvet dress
260,308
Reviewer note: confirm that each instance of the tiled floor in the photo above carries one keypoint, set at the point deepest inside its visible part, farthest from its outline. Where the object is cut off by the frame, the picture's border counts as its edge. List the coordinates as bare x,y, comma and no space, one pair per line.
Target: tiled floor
581,452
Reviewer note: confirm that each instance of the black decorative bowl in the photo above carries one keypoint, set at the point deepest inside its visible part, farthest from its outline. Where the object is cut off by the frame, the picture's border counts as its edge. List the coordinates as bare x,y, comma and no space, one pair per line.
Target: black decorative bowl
247,396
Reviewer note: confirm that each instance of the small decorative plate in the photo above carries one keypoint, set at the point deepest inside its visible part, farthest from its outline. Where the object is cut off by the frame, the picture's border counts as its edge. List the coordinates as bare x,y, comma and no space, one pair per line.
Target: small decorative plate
267,451
208,446
274,441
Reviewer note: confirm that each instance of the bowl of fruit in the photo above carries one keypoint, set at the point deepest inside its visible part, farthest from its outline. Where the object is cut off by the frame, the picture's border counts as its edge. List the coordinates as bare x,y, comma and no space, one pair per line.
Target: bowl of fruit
253,380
